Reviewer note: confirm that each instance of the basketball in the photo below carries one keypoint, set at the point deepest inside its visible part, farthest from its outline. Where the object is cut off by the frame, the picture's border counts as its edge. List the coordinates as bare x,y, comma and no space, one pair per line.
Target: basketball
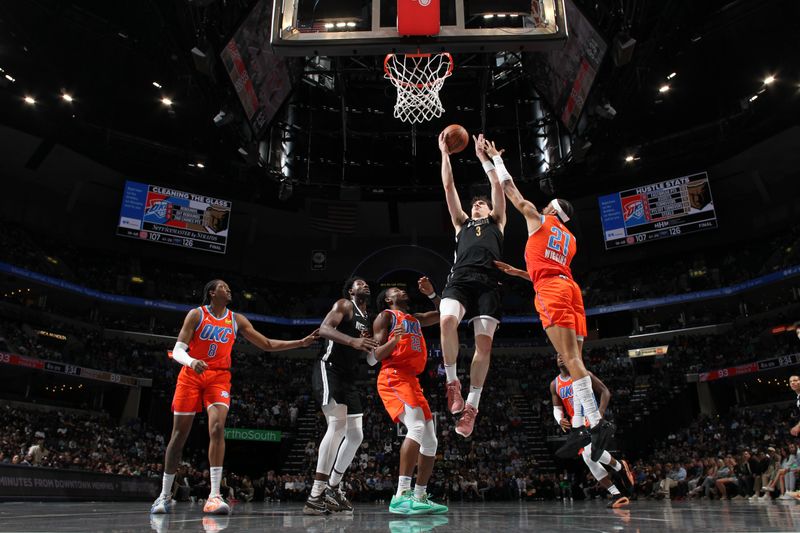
456,138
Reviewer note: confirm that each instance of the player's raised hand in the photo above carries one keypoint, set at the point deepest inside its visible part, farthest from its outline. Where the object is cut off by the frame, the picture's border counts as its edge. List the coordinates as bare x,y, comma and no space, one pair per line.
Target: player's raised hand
310,338
480,147
425,286
443,144
490,149
364,344
795,431
199,366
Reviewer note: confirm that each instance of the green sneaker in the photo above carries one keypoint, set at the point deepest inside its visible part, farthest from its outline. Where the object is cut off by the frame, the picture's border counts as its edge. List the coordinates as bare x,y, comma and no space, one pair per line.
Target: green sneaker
408,505
436,508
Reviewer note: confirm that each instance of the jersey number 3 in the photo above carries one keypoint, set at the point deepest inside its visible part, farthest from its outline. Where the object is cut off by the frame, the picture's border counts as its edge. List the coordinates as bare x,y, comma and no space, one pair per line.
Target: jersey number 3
478,231
559,240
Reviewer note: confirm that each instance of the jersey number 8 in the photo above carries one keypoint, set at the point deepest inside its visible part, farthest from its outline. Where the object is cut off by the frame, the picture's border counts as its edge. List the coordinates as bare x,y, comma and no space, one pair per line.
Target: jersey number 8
212,350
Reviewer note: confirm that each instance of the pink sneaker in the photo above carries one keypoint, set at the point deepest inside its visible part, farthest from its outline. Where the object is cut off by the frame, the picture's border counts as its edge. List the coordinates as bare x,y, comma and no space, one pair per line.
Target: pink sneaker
216,505
466,423
455,402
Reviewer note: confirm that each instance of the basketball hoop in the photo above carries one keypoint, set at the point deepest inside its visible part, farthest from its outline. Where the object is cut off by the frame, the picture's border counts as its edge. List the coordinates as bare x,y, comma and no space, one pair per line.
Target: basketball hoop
418,79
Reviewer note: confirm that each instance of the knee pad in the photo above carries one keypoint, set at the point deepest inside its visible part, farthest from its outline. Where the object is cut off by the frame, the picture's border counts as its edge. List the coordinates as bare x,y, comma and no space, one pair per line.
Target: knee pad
596,468
451,307
429,442
484,325
414,421
354,431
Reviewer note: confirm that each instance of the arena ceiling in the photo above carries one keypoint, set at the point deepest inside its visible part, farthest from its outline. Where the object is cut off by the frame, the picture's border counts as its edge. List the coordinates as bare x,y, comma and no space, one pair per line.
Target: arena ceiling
108,56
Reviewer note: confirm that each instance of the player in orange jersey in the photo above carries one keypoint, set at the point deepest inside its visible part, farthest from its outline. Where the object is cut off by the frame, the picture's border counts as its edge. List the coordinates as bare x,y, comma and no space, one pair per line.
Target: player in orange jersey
548,254
204,349
561,393
403,354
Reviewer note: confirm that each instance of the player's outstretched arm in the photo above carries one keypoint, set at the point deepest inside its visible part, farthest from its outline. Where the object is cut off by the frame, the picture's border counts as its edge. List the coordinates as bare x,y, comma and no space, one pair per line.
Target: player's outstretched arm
526,207
505,268
179,353
558,408
327,330
250,333
380,330
498,197
428,318
605,395
457,214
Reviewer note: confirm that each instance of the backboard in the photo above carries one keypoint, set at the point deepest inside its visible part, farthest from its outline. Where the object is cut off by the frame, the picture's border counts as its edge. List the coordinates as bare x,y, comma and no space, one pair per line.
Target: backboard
369,27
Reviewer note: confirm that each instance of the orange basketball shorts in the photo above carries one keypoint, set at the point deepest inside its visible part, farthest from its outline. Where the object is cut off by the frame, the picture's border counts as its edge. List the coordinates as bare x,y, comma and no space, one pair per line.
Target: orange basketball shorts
195,392
560,303
397,390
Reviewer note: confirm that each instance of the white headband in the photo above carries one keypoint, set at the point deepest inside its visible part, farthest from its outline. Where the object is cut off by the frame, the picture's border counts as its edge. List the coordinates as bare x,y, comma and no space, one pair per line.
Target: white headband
561,214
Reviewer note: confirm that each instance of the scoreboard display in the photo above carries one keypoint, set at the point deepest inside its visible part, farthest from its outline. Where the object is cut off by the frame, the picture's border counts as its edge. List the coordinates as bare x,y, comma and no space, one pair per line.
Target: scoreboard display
168,216
657,211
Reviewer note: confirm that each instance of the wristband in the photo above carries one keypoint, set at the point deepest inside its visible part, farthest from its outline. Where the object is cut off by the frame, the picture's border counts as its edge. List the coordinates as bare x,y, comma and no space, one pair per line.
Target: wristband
500,168
487,166
371,359
433,295
558,414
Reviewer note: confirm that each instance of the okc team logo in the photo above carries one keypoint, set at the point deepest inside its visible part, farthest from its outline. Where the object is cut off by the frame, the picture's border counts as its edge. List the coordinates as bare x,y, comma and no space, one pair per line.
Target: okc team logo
224,394
214,333
424,3
633,210
158,210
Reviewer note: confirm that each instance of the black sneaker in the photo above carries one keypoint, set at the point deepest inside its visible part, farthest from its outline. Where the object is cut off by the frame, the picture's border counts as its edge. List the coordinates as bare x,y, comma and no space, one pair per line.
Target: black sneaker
618,500
601,436
336,501
578,438
315,505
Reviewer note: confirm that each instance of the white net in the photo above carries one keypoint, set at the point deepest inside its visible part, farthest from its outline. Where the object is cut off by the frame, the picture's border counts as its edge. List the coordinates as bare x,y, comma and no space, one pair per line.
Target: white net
418,79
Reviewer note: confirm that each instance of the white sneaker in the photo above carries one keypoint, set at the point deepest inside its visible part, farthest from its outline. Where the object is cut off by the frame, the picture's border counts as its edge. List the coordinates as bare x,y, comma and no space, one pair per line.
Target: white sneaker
162,505
216,505
785,496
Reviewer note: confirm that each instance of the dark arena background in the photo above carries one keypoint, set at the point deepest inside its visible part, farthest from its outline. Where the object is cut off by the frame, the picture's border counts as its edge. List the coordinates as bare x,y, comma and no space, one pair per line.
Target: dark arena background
148,147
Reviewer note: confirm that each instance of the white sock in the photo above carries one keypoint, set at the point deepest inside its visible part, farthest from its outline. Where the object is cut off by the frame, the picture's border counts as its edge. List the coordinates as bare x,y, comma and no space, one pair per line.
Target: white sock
335,479
613,490
577,421
419,490
474,397
607,461
216,478
403,484
450,372
583,392
317,488
166,484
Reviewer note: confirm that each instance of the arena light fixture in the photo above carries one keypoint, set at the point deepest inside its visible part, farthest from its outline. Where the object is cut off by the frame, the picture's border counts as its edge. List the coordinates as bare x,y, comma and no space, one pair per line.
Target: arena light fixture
753,98
769,80
629,158
489,16
341,24
200,165
664,88
166,101
157,85
10,78
30,100
329,25
672,75
67,97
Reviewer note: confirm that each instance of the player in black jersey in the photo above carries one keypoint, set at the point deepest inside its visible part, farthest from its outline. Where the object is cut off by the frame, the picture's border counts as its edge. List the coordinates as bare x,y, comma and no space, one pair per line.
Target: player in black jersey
473,286
347,331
